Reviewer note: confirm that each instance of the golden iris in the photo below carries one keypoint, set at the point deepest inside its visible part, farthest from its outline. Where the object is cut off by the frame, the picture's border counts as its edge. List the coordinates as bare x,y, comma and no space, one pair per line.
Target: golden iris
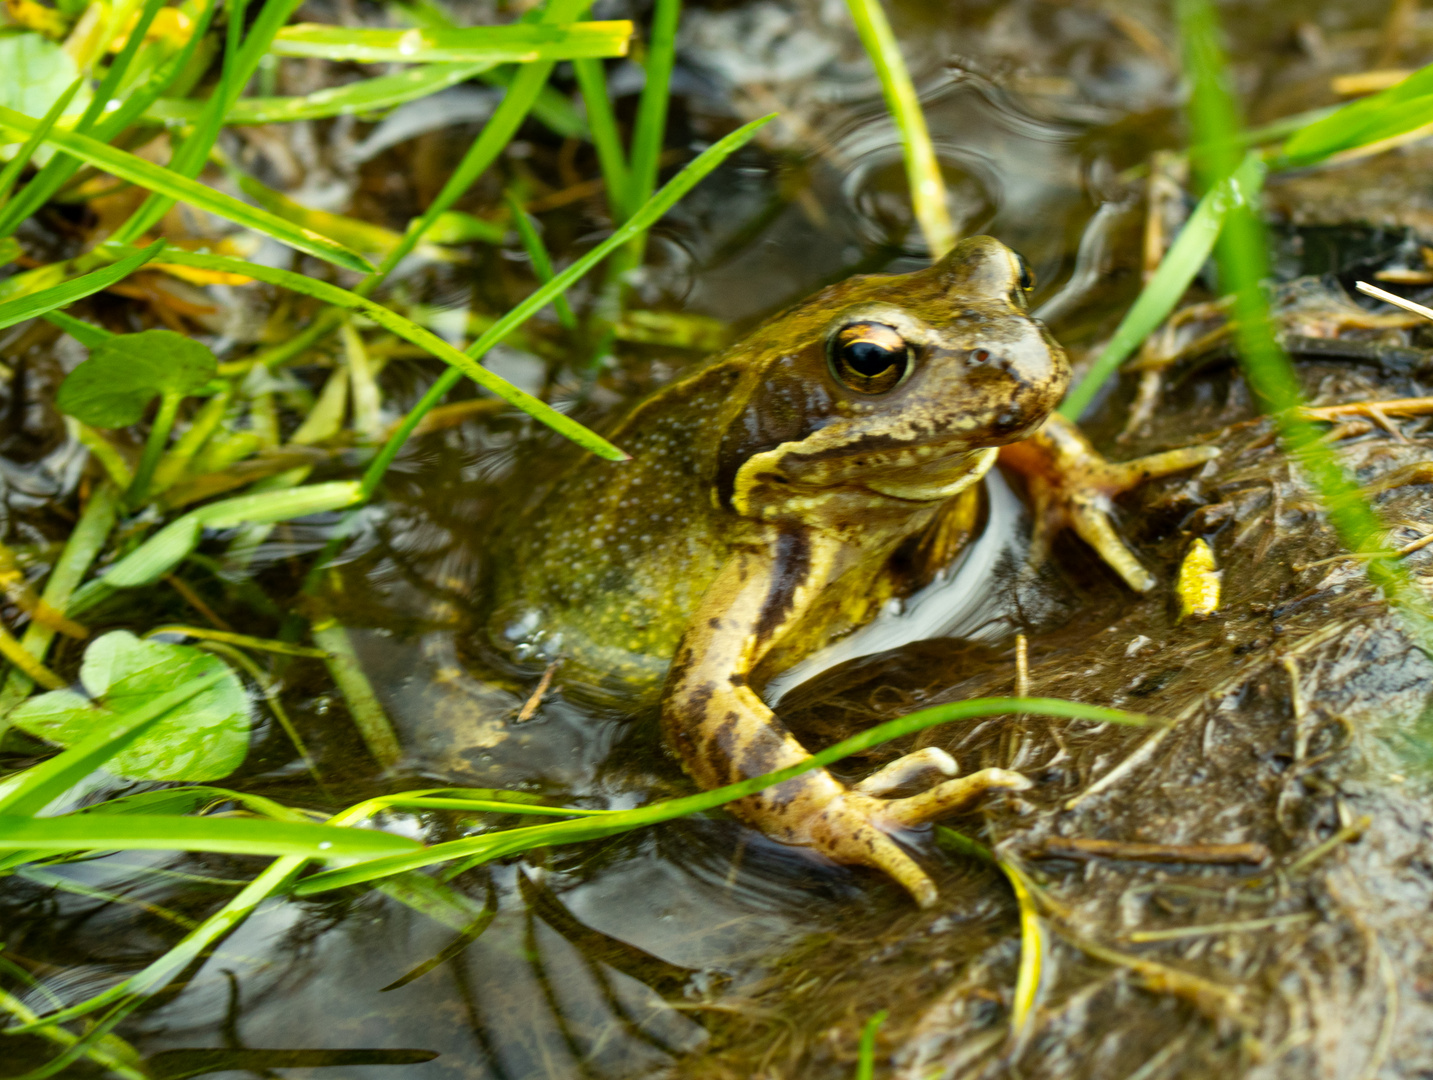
869,358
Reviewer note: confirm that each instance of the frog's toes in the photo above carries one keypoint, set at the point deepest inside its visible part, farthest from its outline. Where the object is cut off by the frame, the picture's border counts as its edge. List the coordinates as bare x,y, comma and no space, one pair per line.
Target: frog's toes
950,796
905,769
850,830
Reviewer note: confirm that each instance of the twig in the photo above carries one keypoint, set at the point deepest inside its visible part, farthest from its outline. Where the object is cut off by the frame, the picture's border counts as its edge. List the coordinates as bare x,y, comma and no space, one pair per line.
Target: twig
531,705
1079,847
1345,835
1210,929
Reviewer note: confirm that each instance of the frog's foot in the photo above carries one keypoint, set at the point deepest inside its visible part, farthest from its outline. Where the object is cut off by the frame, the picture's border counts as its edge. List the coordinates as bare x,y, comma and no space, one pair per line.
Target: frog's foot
855,826
903,770
1072,484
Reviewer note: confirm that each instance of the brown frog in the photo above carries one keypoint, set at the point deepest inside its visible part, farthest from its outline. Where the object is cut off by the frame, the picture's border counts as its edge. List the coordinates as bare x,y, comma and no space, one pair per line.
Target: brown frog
776,499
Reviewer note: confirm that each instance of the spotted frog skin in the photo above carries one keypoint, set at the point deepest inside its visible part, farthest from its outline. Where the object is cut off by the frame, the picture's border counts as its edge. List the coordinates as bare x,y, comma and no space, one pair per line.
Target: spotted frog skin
775,500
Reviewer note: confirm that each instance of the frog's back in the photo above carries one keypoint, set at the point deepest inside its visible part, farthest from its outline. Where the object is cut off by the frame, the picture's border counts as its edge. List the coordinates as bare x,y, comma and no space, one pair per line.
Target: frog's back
605,569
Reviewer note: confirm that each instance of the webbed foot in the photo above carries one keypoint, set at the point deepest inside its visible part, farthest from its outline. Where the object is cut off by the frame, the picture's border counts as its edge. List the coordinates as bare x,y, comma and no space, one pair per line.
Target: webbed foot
1072,484
855,826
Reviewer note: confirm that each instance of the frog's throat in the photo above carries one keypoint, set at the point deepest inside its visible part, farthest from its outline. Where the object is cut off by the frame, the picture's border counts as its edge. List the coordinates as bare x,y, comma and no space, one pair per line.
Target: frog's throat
934,489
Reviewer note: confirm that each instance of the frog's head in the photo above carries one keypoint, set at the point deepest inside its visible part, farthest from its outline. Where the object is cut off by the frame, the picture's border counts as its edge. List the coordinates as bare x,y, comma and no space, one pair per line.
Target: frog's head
887,390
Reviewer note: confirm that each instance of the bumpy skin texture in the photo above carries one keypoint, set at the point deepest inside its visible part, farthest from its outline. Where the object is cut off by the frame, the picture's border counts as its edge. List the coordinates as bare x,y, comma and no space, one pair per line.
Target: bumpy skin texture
769,509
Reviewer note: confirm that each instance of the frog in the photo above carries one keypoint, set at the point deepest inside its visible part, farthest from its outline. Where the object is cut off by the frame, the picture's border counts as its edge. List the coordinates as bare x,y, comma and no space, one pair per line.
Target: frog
782,495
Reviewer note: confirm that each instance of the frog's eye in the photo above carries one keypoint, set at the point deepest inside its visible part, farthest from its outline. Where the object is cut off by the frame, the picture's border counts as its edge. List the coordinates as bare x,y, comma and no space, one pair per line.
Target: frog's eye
869,358
1027,276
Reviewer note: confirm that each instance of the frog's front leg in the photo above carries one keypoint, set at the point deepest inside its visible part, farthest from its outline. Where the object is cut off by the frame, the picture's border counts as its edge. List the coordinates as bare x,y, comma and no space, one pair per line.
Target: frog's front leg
714,720
1072,484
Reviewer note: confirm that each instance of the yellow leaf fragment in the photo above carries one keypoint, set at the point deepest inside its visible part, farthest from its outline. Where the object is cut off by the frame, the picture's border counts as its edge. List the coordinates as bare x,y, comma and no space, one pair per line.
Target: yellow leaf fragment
1198,583
37,17
170,26
196,276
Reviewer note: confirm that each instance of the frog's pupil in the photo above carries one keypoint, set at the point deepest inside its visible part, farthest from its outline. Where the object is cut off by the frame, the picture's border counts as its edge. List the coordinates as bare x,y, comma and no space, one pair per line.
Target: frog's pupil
868,359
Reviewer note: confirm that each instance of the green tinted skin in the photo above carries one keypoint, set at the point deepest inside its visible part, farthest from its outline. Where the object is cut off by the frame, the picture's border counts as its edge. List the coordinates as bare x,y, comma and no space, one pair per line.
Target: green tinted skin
775,499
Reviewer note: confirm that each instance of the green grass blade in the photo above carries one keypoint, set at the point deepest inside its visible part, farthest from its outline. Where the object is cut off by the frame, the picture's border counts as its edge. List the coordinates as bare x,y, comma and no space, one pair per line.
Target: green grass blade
167,548
87,334
655,207
552,107
189,156
866,1051
365,96
193,945
923,173
352,681
38,303
240,63
521,95
107,127
1394,111
518,43
145,174
1242,253
489,806
592,81
165,832
409,331
651,123
1184,259
31,791
22,157
541,260
84,545
119,66
493,845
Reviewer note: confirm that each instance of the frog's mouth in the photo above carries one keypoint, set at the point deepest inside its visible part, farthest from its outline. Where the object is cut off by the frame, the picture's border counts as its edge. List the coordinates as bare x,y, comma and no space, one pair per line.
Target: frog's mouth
935,481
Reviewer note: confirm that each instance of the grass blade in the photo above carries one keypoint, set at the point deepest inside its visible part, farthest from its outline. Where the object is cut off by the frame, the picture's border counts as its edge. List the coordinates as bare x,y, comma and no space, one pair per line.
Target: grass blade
1030,978
193,945
866,1051
517,102
592,81
518,43
145,174
87,334
651,123
1185,258
167,548
58,296
166,832
541,260
240,63
922,167
367,95
655,207
31,791
1242,252
104,126
489,846
410,331
17,164
81,549
363,704
1399,109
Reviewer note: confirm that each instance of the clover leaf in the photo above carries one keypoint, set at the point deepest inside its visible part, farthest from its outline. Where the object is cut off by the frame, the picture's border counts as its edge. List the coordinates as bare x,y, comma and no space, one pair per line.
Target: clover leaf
204,739
37,72
122,376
